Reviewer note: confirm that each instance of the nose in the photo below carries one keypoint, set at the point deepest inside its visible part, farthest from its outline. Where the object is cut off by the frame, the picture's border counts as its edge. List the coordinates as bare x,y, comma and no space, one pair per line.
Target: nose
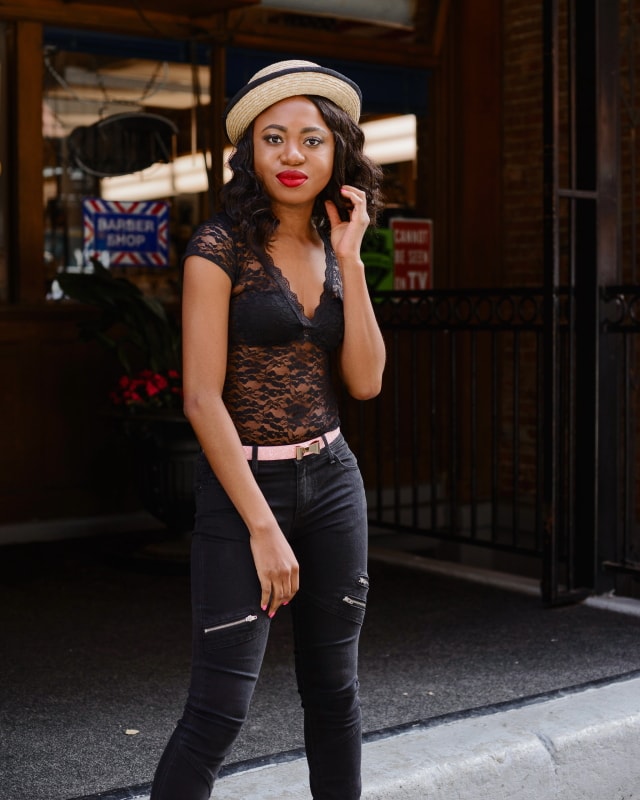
292,153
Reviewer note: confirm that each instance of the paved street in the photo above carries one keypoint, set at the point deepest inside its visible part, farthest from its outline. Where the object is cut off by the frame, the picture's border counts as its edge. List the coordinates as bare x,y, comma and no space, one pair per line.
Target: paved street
95,659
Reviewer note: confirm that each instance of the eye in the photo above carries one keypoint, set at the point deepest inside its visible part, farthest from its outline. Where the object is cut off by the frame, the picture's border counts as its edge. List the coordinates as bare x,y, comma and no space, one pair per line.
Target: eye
272,138
314,141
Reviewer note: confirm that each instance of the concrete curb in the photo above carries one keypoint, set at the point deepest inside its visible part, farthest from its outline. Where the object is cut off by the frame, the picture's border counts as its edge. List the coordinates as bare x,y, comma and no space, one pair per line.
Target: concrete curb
581,746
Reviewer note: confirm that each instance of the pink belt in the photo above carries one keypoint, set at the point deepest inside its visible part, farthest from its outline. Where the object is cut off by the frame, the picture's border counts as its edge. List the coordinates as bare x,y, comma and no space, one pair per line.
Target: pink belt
297,451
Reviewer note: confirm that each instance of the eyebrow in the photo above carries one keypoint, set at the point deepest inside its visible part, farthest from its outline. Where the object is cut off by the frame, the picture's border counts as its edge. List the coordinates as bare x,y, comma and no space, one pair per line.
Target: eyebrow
283,128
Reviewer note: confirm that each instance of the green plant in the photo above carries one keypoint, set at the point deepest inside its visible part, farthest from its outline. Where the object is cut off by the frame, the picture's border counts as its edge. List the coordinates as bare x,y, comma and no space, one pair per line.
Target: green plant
136,328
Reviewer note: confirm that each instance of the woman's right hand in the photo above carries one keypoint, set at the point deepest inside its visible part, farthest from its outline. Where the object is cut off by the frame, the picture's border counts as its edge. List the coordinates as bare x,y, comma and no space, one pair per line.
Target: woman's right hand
205,302
277,568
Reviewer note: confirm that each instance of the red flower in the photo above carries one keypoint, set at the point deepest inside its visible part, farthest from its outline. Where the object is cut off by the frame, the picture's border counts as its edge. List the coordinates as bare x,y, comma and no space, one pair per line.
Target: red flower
149,389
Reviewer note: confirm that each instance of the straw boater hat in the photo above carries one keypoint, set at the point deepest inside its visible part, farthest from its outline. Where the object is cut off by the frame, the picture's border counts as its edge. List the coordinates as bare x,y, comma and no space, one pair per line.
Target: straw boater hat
289,79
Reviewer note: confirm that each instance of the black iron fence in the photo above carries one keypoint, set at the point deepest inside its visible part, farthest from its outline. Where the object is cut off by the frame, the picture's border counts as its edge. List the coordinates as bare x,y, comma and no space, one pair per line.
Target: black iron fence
452,448
457,445
620,313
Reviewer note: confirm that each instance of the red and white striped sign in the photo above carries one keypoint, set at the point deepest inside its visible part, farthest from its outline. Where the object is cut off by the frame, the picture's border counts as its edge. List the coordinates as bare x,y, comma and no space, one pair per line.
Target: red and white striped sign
126,233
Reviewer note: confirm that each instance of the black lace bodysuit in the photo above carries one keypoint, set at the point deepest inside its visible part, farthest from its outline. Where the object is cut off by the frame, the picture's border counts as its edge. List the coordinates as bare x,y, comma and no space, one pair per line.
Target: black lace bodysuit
278,387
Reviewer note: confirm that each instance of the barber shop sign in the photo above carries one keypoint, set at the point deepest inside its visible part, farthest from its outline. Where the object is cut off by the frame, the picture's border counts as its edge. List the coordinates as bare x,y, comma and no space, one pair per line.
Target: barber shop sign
122,233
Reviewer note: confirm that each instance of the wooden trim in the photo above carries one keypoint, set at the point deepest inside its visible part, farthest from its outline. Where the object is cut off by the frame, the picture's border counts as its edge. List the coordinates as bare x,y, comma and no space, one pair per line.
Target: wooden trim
243,31
218,139
424,203
107,20
149,19
328,45
480,119
440,27
440,136
27,164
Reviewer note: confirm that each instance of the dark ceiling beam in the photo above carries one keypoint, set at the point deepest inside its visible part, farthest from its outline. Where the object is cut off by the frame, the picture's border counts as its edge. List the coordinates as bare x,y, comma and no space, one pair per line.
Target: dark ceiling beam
238,23
160,19
347,49
254,29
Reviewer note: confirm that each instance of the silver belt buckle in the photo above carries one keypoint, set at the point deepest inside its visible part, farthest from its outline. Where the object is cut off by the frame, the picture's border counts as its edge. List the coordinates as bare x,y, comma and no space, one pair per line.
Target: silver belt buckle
310,449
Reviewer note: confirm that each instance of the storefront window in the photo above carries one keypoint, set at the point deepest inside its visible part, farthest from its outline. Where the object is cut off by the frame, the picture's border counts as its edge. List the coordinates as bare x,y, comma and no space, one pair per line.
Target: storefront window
112,127
4,204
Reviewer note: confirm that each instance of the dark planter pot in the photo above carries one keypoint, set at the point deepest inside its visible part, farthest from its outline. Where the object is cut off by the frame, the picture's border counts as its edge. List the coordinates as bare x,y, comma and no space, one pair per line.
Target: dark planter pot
164,455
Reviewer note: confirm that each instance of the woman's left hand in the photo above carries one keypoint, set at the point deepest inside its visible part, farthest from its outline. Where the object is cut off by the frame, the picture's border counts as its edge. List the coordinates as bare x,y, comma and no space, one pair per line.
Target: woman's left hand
346,236
362,353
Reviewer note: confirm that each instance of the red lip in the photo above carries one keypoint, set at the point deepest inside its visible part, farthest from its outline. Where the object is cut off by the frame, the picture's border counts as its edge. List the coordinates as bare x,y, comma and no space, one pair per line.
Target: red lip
291,178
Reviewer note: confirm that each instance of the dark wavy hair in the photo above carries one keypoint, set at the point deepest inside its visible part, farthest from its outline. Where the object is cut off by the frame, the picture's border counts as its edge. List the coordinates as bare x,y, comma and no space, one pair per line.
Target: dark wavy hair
249,207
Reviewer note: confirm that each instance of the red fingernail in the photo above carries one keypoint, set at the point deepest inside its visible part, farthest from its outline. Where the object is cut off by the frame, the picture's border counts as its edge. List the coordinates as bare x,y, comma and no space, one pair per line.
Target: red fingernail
264,607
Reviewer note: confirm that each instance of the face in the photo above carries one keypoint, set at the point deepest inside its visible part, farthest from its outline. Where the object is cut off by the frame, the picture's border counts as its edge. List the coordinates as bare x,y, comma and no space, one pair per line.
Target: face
293,151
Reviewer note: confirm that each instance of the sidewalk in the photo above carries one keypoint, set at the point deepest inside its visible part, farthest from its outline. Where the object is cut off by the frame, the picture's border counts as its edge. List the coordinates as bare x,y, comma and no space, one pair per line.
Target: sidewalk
580,746
469,689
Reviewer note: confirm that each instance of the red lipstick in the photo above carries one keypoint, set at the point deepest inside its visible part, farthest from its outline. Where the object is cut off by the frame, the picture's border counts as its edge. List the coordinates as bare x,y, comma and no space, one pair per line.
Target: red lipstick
291,178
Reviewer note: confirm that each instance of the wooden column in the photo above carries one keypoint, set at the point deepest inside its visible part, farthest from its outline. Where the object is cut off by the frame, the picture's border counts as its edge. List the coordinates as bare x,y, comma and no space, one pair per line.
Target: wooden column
217,136
479,135
439,148
27,267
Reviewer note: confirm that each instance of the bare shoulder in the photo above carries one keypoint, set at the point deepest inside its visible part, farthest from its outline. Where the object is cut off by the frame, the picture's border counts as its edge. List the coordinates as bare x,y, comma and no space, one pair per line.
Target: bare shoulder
203,281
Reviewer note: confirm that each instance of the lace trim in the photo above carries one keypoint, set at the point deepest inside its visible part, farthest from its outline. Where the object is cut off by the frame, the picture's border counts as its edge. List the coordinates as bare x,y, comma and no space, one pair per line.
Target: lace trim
283,282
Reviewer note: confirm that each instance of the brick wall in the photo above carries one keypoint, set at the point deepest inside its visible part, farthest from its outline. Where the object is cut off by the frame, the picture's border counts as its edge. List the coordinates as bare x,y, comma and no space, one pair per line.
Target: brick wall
522,143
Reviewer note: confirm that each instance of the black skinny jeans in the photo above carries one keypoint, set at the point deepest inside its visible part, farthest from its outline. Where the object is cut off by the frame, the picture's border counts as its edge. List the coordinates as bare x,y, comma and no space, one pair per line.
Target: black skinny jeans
319,504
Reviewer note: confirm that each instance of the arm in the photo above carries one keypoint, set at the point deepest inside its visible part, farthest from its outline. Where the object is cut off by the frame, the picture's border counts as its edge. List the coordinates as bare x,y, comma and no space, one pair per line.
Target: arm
362,354
206,296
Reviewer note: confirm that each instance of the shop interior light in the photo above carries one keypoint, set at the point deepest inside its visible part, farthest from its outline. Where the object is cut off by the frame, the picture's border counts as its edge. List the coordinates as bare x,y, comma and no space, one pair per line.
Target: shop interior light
391,140
184,175
387,141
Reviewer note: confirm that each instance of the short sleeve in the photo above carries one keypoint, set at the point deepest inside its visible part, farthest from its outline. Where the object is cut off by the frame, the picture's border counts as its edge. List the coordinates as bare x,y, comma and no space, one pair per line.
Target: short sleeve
214,241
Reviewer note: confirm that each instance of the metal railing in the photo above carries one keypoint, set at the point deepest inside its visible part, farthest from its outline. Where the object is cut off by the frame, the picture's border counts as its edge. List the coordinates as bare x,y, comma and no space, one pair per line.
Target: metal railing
452,448
620,315
456,446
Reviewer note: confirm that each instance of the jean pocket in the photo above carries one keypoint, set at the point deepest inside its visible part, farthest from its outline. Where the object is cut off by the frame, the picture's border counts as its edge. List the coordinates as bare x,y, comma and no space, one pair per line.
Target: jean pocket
344,456
233,629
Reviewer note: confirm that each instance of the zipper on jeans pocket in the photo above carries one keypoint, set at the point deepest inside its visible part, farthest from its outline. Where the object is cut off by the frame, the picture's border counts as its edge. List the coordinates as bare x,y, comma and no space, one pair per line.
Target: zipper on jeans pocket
363,581
352,601
243,621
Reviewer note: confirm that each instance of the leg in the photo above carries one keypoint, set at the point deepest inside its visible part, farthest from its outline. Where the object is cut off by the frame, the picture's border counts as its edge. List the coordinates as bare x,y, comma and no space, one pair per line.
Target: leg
326,656
229,637
331,545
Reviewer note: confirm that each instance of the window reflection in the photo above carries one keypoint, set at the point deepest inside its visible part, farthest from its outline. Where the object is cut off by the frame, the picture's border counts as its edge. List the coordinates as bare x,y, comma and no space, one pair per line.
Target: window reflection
81,92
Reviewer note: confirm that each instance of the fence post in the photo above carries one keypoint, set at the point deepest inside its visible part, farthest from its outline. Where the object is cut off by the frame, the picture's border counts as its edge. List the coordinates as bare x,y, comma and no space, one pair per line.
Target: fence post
551,470
597,264
609,272
581,418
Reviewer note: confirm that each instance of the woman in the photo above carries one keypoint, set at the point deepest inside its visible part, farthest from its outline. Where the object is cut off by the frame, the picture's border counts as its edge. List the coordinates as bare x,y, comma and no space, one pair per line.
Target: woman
274,288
